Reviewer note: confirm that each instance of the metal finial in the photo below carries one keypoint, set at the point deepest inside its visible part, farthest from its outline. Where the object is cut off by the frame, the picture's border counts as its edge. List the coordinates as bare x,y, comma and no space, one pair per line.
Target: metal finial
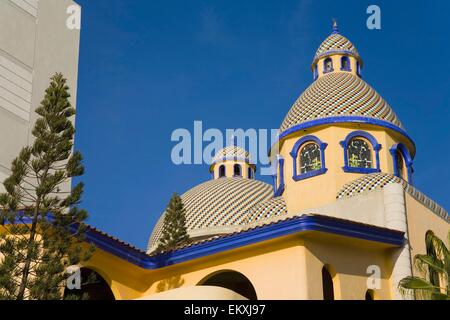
335,26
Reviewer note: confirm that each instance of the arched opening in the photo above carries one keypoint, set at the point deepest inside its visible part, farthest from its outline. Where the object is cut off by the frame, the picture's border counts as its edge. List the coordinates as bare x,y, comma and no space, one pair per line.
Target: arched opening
237,170
232,280
327,284
93,287
400,166
345,63
327,65
250,173
369,295
222,171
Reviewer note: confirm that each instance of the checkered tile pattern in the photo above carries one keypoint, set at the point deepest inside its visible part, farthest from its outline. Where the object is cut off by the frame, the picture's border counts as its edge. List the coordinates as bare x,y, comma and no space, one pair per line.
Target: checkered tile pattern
275,207
231,152
219,202
339,94
335,42
374,181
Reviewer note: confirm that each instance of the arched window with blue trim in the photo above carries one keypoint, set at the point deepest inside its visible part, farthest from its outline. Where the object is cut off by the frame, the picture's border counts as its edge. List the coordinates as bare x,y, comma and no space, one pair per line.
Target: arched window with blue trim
402,162
222,171
358,68
361,153
345,63
250,173
308,156
237,172
327,65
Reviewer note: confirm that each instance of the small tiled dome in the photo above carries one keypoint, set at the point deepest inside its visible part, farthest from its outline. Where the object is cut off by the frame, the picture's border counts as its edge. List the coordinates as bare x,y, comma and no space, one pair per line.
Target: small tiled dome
231,153
339,94
336,43
214,205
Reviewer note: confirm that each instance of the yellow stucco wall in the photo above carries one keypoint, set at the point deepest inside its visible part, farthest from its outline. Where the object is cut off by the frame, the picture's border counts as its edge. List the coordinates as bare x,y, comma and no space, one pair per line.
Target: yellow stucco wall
229,168
336,58
420,220
283,268
322,189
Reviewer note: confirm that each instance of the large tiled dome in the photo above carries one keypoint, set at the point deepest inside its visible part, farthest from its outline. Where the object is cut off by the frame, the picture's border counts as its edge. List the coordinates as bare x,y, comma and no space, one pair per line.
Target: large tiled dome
216,205
339,94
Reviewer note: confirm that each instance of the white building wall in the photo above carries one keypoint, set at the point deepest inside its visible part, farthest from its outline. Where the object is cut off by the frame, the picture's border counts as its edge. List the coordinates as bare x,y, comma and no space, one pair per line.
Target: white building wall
34,44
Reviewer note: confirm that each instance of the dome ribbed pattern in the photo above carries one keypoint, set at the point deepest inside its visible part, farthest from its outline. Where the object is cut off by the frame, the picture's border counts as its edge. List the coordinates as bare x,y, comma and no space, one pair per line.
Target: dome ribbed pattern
217,203
339,94
335,43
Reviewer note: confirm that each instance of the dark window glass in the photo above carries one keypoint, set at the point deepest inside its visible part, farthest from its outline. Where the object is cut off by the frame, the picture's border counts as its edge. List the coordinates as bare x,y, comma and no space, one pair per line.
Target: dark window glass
250,173
310,158
359,154
221,171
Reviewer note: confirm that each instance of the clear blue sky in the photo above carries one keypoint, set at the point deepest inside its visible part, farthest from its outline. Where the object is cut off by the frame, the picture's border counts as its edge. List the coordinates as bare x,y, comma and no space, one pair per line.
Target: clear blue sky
149,67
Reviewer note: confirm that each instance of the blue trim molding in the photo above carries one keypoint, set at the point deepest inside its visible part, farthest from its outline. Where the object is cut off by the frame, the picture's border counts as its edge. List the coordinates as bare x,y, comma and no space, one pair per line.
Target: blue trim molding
295,225
346,119
294,154
279,188
394,150
375,145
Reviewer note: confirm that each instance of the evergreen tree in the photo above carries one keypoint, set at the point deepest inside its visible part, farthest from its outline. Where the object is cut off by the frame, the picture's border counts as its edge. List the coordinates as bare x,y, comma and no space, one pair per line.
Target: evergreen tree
43,228
174,231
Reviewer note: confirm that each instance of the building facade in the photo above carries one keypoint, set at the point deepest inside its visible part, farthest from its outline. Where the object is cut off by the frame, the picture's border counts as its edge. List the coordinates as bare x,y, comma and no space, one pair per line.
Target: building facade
342,220
35,42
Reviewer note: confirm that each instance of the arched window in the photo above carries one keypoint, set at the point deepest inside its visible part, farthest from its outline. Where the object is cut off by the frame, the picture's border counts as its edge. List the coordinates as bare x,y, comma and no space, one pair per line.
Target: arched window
358,68
222,171
361,153
345,63
232,280
308,156
400,165
402,162
237,170
369,294
327,284
327,65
